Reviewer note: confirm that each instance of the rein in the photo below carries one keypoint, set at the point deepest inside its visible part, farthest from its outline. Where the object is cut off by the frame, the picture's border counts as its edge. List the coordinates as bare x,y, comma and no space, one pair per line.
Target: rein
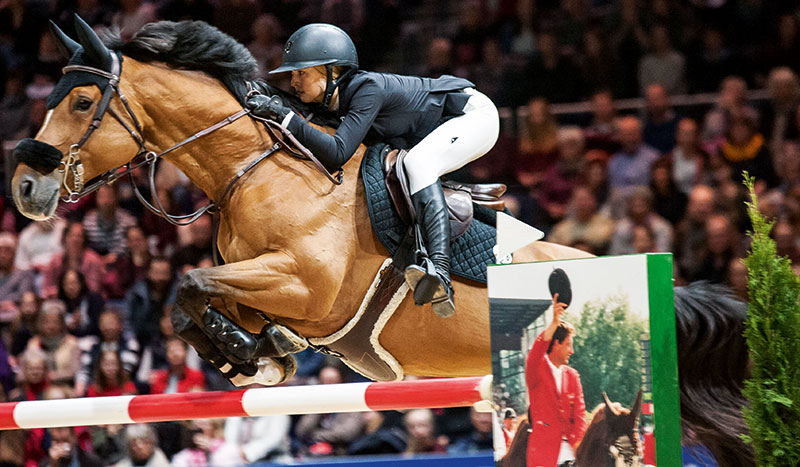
72,165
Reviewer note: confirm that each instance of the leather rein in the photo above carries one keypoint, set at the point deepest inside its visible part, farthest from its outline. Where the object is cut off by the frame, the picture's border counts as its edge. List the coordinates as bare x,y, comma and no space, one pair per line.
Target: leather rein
72,164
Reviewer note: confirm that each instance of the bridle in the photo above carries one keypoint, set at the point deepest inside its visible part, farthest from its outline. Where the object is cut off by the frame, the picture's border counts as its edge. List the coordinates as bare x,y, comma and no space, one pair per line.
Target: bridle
72,165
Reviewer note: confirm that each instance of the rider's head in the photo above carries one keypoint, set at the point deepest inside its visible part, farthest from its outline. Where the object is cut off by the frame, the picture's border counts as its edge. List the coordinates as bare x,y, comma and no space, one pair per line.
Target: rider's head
320,57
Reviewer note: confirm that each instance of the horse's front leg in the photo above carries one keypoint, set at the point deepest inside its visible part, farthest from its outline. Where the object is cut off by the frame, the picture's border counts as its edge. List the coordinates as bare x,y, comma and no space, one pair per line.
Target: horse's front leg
265,280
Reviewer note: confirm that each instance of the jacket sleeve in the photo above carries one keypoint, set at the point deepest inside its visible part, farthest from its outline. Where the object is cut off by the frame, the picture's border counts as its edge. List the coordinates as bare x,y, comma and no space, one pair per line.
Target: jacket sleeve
538,351
579,412
334,150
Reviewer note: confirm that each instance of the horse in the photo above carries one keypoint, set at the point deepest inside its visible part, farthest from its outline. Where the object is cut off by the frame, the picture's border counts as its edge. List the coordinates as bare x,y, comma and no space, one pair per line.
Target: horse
610,439
299,251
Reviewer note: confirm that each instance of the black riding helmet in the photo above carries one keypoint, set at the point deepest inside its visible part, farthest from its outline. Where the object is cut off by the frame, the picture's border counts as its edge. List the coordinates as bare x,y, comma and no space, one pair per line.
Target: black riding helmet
320,44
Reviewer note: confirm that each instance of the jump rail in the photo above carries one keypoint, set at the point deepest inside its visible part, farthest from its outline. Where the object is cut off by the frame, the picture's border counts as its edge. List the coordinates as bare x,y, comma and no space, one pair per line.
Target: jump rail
290,400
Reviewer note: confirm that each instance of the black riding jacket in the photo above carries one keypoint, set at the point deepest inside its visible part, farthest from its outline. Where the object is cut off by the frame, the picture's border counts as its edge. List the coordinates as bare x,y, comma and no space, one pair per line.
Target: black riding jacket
401,110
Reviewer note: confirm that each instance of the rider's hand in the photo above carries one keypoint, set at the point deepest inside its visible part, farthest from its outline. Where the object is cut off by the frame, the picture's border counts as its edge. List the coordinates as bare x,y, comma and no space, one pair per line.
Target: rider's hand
271,107
558,309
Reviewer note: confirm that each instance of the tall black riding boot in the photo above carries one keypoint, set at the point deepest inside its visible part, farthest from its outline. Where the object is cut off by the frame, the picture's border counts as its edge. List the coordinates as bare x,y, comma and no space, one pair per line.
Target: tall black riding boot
431,281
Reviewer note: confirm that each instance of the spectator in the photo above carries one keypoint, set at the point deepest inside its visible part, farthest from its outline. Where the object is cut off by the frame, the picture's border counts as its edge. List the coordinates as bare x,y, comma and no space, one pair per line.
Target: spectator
132,15
783,48
38,244
786,241
128,267
736,278
266,45
640,212
143,448
630,166
35,378
440,58
602,128
745,149
419,425
662,64
687,159
110,378
328,434
178,377
668,201
64,450
561,177
147,299
105,226
778,112
13,282
595,175
205,439
112,339
480,438
14,106
75,255
383,434
470,34
538,143
731,101
253,439
643,239
63,354
83,306
200,234
722,246
629,38
713,62
690,234
551,75
661,121
24,327
583,223
600,68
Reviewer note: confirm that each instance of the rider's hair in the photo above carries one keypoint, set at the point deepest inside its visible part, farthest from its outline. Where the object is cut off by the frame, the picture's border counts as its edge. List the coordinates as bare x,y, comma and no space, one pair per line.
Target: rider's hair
563,331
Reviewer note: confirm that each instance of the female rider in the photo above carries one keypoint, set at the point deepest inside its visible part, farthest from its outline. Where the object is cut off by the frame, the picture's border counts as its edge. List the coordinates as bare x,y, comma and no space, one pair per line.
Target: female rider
445,122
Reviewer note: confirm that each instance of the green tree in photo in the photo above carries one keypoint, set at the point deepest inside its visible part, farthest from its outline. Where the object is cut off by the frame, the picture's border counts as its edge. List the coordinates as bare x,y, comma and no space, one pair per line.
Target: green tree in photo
608,355
773,337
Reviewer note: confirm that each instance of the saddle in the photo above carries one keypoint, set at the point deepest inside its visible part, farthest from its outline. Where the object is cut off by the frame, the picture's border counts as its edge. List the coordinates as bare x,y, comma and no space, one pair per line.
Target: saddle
459,196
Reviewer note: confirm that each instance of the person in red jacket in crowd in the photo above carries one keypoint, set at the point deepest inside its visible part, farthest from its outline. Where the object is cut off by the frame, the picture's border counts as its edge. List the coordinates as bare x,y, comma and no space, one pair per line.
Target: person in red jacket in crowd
178,377
110,378
557,408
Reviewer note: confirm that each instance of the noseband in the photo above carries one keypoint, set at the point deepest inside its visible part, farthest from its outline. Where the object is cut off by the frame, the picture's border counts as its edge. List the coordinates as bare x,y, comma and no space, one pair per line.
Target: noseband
72,165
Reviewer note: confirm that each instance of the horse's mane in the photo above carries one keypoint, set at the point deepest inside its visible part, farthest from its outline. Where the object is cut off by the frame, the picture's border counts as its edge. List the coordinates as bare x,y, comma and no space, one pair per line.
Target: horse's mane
196,45
713,364
594,438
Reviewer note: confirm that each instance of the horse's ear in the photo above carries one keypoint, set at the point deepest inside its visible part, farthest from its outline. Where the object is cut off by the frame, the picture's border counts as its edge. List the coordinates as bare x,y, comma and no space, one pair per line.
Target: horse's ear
636,408
609,407
65,45
92,45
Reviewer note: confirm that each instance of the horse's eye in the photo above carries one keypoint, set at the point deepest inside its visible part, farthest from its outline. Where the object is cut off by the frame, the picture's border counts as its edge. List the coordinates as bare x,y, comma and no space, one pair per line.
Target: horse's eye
83,104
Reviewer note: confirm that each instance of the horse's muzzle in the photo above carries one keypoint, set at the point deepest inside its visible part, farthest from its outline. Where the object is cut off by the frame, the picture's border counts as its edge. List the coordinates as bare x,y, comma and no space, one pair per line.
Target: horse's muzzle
40,156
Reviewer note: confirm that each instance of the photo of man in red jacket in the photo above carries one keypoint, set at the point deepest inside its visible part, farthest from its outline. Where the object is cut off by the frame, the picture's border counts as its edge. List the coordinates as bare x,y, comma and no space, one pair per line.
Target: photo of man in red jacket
557,408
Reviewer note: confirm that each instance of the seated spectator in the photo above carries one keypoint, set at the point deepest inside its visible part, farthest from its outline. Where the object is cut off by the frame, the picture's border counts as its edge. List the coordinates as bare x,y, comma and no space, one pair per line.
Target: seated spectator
205,439
200,235
538,143
731,100
479,439
583,223
34,376
110,378
668,201
420,426
63,353
745,149
722,245
777,113
128,267
661,121
75,255
786,241
640,212
595,176
105,226
383,434
178,377
563,175
83,305
38,244
688,159
602,128
146,300
662,64
736,279
143,448
690,233
13,282
328,434
253,439
630,166
64,450
112,339
643,239
24,327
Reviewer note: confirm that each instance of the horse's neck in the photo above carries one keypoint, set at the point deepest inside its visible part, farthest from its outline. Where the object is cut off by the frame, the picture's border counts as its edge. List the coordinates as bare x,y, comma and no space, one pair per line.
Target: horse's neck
176,104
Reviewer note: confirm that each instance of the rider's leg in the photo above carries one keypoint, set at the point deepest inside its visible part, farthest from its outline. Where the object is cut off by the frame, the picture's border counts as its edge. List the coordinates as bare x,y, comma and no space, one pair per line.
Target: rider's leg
453,144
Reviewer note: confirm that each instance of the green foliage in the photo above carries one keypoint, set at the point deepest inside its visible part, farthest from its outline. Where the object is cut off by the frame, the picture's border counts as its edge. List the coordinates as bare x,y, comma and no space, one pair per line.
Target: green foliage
773,337
608,355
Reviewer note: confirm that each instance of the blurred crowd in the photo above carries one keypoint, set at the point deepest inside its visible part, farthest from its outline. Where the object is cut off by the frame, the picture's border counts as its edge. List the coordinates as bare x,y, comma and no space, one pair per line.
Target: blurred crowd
85,298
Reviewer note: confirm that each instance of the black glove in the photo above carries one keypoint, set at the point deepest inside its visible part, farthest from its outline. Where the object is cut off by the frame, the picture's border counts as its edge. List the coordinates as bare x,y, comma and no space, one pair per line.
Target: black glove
268,107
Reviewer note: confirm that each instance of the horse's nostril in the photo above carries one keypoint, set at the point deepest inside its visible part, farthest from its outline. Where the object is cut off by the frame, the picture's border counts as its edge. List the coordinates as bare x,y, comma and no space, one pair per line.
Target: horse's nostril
25,188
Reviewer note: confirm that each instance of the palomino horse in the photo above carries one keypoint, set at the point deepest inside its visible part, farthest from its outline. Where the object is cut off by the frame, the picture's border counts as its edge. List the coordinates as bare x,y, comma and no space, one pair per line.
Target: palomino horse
299,251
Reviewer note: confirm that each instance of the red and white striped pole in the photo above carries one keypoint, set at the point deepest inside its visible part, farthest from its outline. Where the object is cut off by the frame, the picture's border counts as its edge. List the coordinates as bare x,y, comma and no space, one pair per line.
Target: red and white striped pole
291,400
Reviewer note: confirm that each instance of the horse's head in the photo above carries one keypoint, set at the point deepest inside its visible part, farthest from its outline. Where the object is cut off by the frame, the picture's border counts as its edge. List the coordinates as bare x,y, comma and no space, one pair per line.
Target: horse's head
67,150
621,428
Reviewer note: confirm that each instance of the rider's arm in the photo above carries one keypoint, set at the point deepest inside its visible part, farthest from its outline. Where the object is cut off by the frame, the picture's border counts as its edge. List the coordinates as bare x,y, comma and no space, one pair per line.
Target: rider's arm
334,150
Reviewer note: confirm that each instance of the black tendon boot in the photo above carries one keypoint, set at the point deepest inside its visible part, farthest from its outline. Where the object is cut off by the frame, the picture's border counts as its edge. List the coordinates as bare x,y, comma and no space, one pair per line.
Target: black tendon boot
431,281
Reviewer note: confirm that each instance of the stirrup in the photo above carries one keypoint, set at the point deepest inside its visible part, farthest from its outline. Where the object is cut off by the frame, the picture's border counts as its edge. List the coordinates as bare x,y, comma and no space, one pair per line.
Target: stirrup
429,287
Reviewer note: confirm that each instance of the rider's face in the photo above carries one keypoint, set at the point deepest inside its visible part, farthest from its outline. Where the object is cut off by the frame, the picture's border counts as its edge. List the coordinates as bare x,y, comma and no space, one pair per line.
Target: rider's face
309,84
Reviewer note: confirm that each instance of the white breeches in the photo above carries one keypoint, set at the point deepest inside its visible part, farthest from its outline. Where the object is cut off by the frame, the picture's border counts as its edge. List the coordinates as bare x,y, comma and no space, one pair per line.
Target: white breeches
454,143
